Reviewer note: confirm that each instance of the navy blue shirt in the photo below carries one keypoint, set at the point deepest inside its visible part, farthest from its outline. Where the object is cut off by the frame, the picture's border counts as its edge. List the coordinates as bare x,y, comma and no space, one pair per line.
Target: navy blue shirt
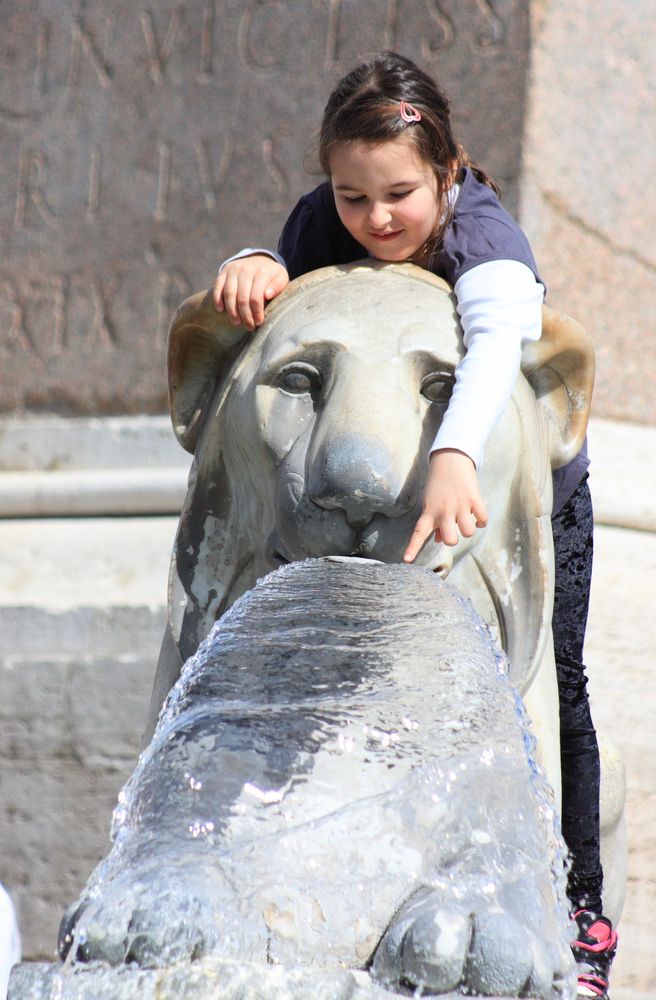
480,230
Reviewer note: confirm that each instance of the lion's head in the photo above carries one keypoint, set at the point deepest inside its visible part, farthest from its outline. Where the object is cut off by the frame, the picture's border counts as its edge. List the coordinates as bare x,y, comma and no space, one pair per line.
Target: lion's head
311,438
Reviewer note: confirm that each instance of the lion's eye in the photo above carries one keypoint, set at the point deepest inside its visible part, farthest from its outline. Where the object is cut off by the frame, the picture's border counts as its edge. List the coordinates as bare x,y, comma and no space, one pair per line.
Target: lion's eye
299,379
437,387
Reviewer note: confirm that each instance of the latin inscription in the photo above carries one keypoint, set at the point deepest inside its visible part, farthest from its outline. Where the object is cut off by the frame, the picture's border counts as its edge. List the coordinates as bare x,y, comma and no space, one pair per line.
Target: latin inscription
84,43
31,179
265,33
205,164
494,30
36,315
206,67
143,142
159,53
444,32
212,180
93,196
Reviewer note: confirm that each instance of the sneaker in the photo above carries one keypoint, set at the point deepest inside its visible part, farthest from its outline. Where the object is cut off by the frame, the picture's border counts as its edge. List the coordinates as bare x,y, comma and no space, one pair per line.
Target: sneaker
594,950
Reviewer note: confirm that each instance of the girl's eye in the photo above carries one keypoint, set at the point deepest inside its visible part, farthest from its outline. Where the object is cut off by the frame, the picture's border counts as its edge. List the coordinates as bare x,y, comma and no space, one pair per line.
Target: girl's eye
398,195
299,379
353,199
437,387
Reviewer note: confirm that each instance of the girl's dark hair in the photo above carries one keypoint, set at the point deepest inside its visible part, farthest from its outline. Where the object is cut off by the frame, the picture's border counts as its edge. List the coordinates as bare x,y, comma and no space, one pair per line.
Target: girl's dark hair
365,105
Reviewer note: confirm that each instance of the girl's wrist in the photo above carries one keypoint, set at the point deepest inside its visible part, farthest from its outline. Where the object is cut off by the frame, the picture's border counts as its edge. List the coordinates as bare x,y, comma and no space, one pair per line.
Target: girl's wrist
451,451
253,252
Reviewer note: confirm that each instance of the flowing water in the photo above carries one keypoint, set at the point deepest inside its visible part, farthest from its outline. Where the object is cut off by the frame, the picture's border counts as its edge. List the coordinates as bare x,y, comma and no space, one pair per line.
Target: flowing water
343,760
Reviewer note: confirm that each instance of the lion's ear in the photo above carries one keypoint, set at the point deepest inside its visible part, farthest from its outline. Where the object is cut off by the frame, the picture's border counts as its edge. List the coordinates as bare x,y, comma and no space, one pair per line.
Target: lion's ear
560,368
202,346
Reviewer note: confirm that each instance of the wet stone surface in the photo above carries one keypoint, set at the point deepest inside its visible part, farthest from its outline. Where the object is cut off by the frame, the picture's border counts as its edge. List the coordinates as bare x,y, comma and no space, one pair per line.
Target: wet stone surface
144,143
207,980
337,781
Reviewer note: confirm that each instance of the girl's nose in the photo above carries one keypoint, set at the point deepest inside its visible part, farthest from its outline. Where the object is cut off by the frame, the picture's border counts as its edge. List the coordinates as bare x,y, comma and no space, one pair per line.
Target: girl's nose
379,215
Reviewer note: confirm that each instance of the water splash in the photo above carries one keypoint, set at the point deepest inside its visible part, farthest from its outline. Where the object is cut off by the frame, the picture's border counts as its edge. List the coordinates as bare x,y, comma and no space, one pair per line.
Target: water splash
344,746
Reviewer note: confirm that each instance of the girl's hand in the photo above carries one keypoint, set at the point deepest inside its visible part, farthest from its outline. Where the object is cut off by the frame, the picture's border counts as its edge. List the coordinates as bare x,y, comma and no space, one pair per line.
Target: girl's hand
452,501
245,285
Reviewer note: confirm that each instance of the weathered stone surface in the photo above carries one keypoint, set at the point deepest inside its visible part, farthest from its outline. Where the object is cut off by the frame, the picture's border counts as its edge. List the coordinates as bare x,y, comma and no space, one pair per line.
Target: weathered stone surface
39,443
33,709
57,565
141,144
34,632
619,655
204,980
586,192
52,830
75,685
114,736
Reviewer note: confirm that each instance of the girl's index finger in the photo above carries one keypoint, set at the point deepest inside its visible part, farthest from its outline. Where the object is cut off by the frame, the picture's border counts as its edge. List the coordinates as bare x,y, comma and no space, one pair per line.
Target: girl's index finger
423,530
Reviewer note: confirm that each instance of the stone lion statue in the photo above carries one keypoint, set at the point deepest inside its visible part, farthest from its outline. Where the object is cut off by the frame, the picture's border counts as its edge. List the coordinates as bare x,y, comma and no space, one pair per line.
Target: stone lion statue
310,439
337,775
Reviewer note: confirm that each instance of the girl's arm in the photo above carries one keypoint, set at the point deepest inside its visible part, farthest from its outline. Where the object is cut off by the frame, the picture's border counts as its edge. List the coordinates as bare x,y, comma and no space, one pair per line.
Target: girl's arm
312,237
246,282
500,308
248,252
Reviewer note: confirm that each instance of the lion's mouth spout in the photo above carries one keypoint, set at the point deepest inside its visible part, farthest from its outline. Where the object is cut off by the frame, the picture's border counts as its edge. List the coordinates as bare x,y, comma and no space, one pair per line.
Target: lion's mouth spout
277,558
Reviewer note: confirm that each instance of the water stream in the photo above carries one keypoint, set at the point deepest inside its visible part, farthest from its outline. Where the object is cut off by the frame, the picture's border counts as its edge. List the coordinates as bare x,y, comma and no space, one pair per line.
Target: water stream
343,761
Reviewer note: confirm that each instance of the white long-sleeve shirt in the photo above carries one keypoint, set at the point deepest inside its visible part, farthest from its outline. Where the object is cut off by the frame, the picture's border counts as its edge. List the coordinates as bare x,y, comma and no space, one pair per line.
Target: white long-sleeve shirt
500,308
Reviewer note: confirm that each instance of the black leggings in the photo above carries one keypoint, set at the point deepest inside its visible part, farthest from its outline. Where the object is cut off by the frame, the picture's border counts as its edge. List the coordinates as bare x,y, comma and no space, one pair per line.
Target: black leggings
579,753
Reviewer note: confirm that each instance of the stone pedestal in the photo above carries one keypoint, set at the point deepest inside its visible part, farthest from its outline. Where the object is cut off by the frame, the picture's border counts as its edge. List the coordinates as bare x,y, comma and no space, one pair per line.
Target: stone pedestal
587,199
143,144
204,980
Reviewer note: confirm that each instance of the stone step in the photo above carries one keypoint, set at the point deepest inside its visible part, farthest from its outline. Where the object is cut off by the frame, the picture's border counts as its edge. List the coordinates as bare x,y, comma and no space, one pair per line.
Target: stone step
209,979
53,467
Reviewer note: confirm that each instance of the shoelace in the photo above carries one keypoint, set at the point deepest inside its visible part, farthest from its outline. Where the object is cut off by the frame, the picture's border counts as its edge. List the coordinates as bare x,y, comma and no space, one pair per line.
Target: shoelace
594,951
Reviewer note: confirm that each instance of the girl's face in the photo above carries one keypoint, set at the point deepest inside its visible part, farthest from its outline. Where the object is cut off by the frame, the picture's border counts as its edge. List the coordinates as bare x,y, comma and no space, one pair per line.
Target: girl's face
386,196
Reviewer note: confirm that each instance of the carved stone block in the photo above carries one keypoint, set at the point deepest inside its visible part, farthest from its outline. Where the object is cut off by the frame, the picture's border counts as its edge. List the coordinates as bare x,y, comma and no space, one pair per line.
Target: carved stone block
142,143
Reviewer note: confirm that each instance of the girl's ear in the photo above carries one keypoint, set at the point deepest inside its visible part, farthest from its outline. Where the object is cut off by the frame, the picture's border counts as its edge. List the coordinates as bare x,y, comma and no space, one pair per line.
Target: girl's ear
202,346
560,368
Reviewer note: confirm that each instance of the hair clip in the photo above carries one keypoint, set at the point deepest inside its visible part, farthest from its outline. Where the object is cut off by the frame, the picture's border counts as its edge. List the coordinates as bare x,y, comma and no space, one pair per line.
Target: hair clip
408,112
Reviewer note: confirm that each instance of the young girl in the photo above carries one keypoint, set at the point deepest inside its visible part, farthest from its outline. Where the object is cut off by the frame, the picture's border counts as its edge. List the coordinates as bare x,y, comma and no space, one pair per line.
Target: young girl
402,189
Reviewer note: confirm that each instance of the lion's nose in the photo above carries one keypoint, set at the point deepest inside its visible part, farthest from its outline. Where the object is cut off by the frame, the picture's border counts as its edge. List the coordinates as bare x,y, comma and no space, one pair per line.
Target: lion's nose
352,474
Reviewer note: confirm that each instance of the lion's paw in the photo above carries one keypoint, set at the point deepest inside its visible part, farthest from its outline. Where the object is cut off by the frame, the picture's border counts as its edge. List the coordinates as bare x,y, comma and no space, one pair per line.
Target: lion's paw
155,919
440,947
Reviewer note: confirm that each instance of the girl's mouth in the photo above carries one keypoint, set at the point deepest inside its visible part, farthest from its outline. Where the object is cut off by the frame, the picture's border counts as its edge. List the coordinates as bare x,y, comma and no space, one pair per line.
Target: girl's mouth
386,236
